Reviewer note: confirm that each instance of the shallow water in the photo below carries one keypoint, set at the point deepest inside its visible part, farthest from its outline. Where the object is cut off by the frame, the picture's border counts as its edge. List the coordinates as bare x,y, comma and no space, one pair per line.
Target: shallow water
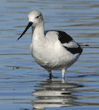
24,85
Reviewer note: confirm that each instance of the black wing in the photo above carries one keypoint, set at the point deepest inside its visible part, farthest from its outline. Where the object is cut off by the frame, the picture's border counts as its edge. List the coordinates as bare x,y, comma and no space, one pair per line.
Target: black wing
62,36
65,38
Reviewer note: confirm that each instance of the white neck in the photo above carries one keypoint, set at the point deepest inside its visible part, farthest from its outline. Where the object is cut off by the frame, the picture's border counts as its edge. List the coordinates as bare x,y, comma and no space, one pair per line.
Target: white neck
38,33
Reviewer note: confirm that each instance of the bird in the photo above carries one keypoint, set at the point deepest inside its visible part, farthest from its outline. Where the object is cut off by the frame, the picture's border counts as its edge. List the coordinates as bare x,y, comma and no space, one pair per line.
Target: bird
51,49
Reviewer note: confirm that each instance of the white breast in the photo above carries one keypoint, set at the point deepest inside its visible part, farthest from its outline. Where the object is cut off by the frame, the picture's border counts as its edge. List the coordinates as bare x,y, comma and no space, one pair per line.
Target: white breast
52,55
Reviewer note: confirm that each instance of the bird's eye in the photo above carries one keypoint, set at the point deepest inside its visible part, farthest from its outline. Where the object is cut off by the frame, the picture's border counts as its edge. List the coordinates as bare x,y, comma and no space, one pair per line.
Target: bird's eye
37,17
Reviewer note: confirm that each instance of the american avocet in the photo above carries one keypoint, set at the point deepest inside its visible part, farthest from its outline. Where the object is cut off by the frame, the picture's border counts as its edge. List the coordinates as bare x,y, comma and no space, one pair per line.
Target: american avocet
52,50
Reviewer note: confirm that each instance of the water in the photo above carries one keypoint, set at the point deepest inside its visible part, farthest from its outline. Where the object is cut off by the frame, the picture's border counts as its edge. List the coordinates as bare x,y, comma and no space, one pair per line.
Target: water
24,85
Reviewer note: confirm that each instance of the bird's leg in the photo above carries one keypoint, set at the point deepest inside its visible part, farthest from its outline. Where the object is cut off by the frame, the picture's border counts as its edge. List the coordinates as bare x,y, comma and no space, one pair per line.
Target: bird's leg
50,74
63,73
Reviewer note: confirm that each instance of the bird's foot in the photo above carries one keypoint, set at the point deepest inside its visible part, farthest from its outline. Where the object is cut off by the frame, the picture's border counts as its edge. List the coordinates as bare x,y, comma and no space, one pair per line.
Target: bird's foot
50,76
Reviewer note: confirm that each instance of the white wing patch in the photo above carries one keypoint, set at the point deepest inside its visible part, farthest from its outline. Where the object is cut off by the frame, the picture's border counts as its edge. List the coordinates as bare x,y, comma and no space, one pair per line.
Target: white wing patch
71,44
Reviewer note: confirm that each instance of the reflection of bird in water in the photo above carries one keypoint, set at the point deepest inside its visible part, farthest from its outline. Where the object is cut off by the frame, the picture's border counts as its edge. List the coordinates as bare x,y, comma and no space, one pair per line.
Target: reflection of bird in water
54,94
55,50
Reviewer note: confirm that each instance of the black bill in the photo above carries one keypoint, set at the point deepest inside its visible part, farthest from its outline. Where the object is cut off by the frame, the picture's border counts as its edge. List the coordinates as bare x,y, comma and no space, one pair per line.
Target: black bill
29,25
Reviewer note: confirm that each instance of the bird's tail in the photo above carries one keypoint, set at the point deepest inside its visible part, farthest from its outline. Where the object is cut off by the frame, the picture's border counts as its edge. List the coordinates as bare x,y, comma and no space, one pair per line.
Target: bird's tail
83,44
